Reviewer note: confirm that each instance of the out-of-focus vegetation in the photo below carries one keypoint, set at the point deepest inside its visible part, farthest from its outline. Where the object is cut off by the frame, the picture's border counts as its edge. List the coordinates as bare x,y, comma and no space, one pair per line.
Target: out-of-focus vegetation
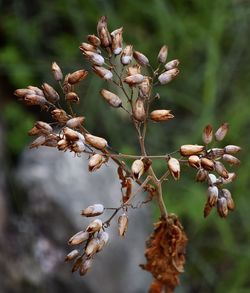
211,39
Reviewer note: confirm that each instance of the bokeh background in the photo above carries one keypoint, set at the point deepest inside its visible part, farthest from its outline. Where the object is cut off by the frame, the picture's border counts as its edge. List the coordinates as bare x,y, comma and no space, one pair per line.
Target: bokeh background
211,39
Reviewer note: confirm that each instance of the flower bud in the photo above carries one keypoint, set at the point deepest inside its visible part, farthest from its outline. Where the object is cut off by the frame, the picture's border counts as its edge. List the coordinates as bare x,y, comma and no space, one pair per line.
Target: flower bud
36,89
51,140
103,238
207,164
139,112
207,135
94,226
161,115
62,145
92,247
72,97
94,40
67,87
34,100
220,169
145,87
135,69
103,33
141,58
92,211
221,132
213,194
103,72
222,207
122,224
111,98
78,238
77,264
38,142
134,79
201,175
96,141
168,76
191,149
72,255
85,266
172,64
212,179
95,162
194,161
84,47
116,37
95,58
50,93
174,168
75,122
57,72
34,131
215,153
78,147
230,202
43,127
162,56
59,115
137,168
70,134
127,54
77,76
231,159
23,92
231,177
232,149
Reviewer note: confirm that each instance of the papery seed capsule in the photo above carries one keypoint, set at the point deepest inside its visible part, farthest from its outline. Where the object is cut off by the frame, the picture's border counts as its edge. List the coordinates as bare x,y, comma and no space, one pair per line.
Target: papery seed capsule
59,115
23,92
122,224
161,115
230,202
72,97
111,98
232,149
95,162
212,179
220,169
94,40
201,175
137,168
94,226
103,239
141,58
213,194
222,207
162,56
70,134
231,177
191,149
127,54
207,164
67,87
34,131
92,247
57,72
72,255
44,127
174,168
116,37
78,238
78,147
34,100
103,33
51,140
207,209
36,89
75,122
215,153
77,264
92,211
135,69
145,87
231,159
134,79
84,47
37,142
221,132
207,134
95,58
96,141
62,145
77,76
168,76
50,93
194,161
172,64
139,112
85,266
103,72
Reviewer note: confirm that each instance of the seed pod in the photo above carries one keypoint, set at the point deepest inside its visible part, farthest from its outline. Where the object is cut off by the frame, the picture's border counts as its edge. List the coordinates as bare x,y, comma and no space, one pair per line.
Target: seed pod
23,92
139,112
134,79
103,238
222,207
34,100
207,135
67,87
96,141
103,72
72,97
127,54
220,169
145,87
94,226
94,40
78,147
161,115
77,76
36,89
103,33
59,115
194,161
95,162
168,76
207,164
72,255
70,134
212,179
112,99
84,47
43,127
122,224
34,131
137,168
207,209
172,64
50,93
221,132
162,56
57,72
85,266
232,149
135,69
141,58
37,142
95,58
116,37
51,140
78,238
77,264
215,153
92,247
213,194
231,159
231,177
174,168
62,145
92,211
230,202
201,175
75,122
191,149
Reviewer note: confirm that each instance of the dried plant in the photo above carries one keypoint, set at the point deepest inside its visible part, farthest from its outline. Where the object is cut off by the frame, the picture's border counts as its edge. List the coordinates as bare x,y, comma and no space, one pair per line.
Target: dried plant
130,72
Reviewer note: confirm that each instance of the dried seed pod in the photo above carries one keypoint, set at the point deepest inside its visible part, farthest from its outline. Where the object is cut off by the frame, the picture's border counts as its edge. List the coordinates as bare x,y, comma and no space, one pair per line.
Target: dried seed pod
103,33
133,80
221,132
174,168
230,202
92,247
145,87
161,115
137,168
231,159
194,161
103,239
201,175
78,238
62,145
59,115
232,149
141,58
94,40
77,76
72,255
172,64
43,127
77,264
85,266
34,131
92,211
220,169
95,58
116,37
212,179
51,140
135,69
57,72
213,194
168,76
96,141
112,99
34,100
95,162
94,226
127,54
75,122
84,47
50,93
207,164
70,134
78,147
72,97
191,149
231,177
215,153
36,89
163,53
38,142
122,224
139,112
207,134
103,72
222,207
23,92
67,87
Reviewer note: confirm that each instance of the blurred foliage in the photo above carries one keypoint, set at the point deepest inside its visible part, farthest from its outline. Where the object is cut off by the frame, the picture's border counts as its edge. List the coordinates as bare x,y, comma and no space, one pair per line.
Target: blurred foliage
211,39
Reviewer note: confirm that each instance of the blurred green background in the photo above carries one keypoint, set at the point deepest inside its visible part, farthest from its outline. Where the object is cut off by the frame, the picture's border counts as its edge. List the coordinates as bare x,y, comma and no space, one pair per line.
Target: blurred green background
211,40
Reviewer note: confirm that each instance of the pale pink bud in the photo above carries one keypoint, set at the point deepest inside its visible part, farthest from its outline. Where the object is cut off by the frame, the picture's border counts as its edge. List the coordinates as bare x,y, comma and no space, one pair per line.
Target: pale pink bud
95,162
194,161
111,98
231,159
94,40
134,79
72,255
50,93
77,76
23,92
215,153
78,238
92,247
207,164
103,239
103,33
135,69
201,175
127,54
94,226
57,72
78,147
95,58
116,37
70,134
213,194
230,202
92,211
84,47
163,53
36,89
96,141
122,224
161,115
137,168
172,64
221,132
168,76
139,112
207,135
232,149
212,179
103,72
191,149
222,207
174,168
220,169
141,58
34,100
75,122
44,127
